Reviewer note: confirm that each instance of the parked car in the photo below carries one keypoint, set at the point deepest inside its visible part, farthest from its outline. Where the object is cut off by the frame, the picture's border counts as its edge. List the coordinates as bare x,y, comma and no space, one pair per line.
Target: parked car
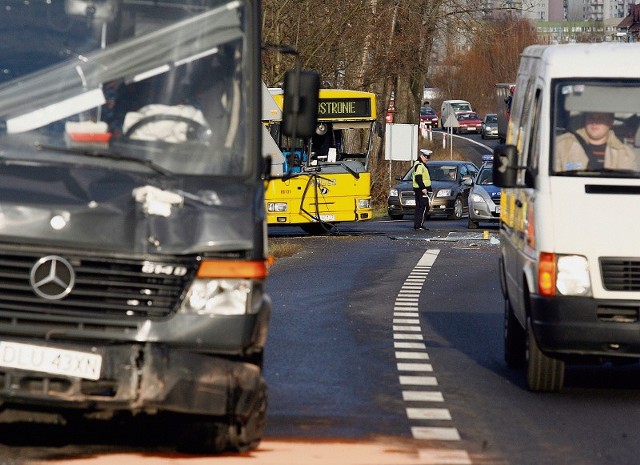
484,198
451,181
468,121
489,128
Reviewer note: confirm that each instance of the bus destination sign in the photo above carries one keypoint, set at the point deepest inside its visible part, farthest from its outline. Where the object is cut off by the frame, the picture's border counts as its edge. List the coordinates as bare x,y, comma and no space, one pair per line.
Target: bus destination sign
338,108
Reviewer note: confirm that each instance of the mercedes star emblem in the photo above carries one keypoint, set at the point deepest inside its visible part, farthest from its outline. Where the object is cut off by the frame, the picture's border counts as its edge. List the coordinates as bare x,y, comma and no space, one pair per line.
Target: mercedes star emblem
52,277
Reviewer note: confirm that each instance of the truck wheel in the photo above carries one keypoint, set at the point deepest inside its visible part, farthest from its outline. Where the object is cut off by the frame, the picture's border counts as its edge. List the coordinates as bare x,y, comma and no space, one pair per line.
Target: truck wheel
247,434
202,436
544,374
457,209
515,338
213,436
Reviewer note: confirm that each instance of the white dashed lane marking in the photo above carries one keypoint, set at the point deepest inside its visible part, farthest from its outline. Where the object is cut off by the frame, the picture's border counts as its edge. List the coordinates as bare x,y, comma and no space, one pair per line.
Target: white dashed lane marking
424,403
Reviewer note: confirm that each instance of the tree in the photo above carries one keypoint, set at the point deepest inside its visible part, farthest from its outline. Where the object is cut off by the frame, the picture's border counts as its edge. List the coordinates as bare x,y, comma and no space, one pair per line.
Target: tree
386,47
472,74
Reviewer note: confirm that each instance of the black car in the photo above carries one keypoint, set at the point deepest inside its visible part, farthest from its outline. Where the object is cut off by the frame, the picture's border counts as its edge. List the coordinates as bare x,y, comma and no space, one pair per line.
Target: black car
450,180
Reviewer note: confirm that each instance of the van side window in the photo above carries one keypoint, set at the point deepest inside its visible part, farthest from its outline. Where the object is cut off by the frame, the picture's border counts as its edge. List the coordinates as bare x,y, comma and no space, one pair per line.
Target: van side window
534,144
526,121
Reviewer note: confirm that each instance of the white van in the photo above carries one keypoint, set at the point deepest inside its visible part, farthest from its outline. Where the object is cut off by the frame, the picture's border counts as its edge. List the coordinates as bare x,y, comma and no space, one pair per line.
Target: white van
570,210
450,107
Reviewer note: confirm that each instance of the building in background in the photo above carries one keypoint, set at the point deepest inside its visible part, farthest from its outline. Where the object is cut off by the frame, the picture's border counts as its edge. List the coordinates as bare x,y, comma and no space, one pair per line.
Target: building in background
629,27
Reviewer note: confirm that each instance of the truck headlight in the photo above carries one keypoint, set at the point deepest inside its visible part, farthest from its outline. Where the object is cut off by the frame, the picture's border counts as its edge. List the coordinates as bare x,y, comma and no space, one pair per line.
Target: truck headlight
226,287
393,192
277,207
573,275
563,275
218,297
364,203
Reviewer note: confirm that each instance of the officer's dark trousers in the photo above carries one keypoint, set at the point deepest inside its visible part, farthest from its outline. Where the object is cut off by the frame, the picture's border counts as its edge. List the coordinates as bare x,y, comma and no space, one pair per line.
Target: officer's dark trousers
422,206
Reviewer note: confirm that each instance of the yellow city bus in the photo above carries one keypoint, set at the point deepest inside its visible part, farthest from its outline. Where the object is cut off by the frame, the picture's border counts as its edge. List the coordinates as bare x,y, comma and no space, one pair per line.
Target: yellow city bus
325,180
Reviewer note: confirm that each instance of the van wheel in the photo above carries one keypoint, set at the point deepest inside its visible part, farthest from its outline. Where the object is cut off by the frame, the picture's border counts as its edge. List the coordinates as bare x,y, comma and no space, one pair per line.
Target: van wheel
515,338
457,209
544,374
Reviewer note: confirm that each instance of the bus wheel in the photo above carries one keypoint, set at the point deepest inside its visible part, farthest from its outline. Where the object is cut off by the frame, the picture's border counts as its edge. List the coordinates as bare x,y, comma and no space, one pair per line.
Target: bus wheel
317,229
544,374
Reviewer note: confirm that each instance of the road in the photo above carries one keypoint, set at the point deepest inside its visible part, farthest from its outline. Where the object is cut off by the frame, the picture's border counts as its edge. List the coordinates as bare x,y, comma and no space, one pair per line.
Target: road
346,337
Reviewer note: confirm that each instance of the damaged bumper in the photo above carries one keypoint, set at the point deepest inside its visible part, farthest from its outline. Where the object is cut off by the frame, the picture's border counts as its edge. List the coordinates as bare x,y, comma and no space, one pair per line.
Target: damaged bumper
144,378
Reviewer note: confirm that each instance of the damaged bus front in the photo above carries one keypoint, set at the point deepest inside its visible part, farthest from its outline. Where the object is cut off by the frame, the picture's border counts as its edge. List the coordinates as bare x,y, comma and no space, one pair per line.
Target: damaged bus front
132,228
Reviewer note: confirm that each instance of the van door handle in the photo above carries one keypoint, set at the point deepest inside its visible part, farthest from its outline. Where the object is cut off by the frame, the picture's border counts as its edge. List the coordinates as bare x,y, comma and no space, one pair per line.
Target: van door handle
518,203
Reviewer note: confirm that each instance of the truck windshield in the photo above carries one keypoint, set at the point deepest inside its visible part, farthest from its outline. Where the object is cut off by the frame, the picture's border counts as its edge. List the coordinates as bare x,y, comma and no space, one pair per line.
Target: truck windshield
597,130
160,80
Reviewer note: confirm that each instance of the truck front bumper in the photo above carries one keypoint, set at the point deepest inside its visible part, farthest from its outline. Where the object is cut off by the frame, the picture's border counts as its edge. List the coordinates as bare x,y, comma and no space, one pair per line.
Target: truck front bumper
142,378
565,326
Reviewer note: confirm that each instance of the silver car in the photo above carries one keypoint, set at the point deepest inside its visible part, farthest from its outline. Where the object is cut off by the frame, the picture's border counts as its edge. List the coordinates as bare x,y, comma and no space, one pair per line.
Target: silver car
484,198
489,129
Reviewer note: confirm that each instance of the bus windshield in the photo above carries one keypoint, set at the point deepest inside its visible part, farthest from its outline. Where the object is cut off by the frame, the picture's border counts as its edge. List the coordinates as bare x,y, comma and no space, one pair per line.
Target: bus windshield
343,138
597,128
160,81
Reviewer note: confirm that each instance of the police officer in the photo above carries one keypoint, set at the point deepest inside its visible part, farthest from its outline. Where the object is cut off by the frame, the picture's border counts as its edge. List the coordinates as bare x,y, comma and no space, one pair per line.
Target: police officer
421,186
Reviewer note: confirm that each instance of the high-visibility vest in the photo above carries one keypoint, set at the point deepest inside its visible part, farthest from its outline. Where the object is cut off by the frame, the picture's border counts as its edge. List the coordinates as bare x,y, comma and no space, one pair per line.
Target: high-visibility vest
421,168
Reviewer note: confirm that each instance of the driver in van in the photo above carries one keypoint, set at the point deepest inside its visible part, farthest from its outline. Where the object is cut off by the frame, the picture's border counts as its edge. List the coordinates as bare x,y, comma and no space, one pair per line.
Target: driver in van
593,147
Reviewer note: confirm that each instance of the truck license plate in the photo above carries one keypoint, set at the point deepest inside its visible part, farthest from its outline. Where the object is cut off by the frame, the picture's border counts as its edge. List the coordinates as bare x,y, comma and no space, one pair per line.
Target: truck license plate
50,360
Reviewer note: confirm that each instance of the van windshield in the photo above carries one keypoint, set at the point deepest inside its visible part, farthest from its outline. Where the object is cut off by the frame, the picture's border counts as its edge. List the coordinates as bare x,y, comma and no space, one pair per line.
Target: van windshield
597,128
117,80
460,106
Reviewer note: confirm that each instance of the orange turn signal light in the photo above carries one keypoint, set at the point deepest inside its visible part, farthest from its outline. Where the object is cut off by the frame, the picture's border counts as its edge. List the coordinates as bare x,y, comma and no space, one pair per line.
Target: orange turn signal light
254,269
547,274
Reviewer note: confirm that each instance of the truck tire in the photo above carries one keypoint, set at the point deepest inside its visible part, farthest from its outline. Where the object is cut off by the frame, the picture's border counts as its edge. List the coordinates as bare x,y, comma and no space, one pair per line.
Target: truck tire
202,435
544,374
247,434
515,338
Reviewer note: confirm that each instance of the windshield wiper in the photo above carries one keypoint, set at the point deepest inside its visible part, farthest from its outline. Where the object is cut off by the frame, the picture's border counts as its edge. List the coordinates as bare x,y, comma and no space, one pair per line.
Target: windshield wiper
108,155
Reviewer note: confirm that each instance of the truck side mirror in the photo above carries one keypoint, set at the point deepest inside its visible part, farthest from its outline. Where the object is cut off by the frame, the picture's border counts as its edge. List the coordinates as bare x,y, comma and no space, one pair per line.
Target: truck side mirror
300,112
505,165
